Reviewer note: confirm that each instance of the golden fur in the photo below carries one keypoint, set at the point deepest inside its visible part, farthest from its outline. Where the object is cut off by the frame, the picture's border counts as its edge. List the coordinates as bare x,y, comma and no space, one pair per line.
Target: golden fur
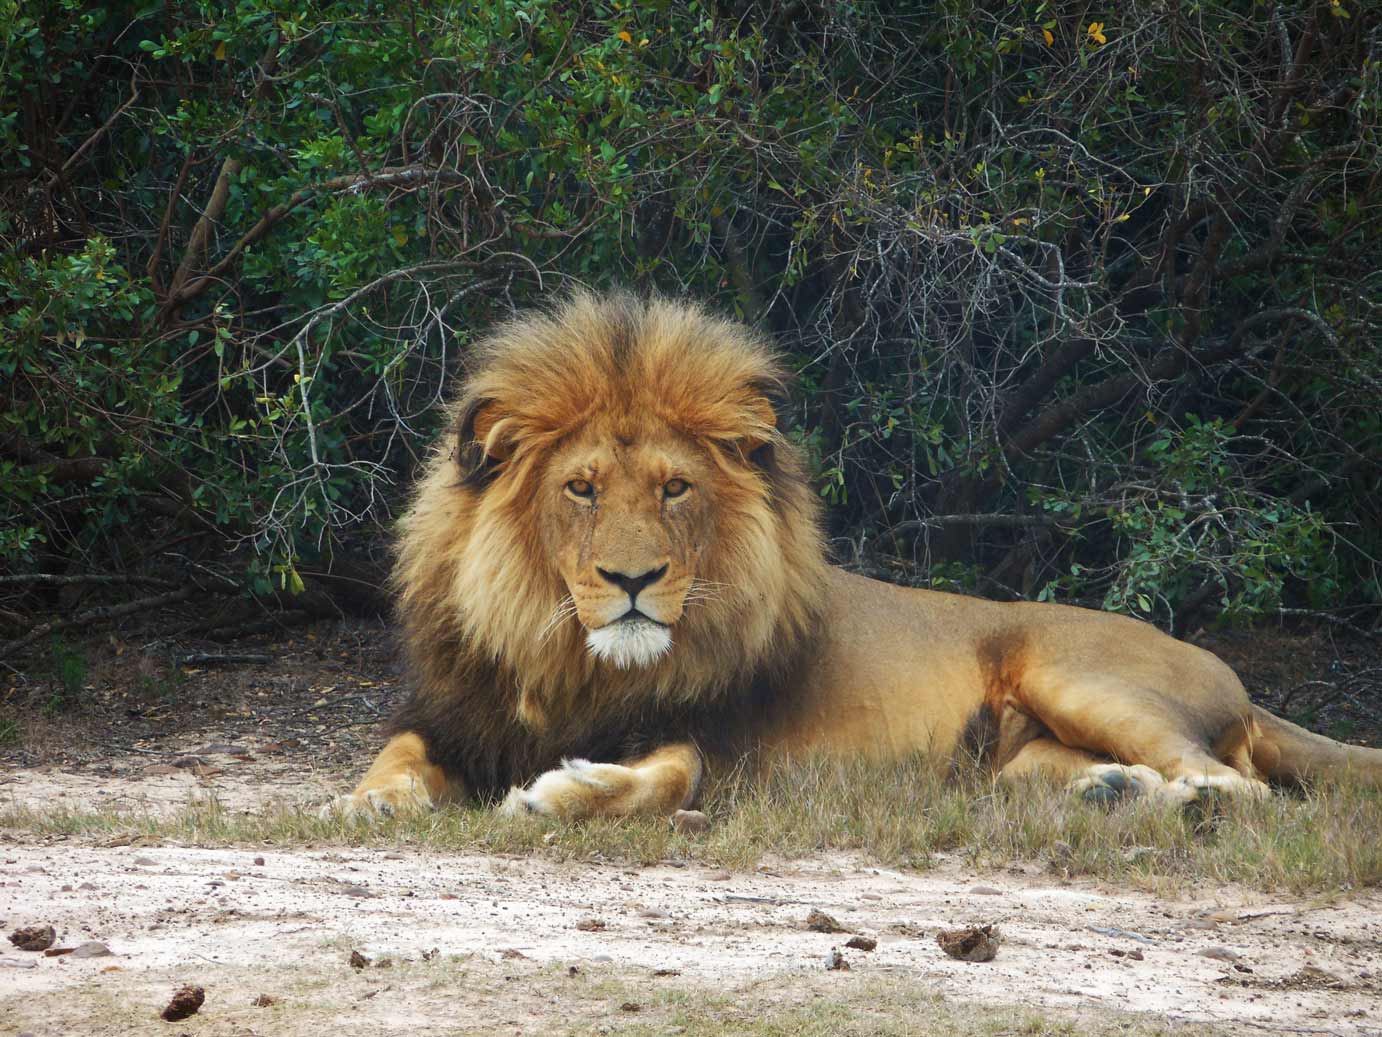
616,555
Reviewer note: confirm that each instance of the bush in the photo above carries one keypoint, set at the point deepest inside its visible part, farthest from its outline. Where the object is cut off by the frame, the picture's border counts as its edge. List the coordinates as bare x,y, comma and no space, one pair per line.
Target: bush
1083,304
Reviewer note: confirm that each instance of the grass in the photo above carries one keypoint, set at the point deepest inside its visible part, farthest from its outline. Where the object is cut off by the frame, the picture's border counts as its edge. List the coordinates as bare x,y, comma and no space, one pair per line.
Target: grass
469,995
870,1008
898,814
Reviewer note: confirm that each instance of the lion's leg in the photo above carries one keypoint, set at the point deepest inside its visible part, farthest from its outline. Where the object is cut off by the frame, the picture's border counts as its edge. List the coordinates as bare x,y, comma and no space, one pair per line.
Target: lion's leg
660,783
401,778
1138,729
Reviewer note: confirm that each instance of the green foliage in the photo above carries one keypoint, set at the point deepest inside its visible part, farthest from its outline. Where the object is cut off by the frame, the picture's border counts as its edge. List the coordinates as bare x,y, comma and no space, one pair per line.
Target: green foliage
67,675
1011,247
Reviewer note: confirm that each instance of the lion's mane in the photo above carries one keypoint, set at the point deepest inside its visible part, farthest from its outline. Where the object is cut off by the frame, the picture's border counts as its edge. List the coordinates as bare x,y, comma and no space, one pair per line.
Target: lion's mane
503,685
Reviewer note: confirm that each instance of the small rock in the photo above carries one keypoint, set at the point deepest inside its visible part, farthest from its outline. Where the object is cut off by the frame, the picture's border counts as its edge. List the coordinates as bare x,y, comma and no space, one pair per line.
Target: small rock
1199,923
1136,955
690,822
91,949
718,876
972,943
358,960
34,937
651,912
820,922
185,1002
259,862
512,953
862,943
224,749
355,891
630,1006
264,1001
159,770
835,961
1219,954
591,925
57,952
986,891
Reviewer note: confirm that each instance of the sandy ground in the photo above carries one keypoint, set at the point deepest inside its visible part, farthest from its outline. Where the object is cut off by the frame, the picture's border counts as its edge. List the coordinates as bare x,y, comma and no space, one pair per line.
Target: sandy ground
498,937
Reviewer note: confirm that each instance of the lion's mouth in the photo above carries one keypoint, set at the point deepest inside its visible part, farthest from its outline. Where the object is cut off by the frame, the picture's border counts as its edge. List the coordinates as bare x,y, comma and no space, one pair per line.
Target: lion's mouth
631,640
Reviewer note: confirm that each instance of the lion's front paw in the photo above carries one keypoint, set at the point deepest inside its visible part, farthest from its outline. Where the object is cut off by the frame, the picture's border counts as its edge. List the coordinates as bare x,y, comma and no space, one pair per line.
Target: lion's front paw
401,795
578,788
1111,782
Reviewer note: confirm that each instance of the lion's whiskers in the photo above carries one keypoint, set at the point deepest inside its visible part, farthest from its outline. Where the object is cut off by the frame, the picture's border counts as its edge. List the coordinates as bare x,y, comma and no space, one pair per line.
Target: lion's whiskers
566,608
703,592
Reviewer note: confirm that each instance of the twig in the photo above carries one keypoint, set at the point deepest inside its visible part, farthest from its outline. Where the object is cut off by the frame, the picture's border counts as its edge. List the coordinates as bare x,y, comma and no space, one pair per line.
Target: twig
1329,617
79,578
224,659
998,520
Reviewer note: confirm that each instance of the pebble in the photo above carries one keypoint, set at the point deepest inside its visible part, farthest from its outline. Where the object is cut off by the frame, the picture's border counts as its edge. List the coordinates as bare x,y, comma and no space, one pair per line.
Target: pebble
1219,954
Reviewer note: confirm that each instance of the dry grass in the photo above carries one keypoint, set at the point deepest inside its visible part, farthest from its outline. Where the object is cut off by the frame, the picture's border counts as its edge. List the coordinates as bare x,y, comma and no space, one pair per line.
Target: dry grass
1323,841
464,995
872,1008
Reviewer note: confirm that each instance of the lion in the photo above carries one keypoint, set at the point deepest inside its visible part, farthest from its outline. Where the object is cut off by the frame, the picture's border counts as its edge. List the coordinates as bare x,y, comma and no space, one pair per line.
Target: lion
612,577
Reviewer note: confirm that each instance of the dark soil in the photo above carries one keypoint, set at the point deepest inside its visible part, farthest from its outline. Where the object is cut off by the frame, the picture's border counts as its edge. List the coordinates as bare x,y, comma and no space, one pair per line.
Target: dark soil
316,695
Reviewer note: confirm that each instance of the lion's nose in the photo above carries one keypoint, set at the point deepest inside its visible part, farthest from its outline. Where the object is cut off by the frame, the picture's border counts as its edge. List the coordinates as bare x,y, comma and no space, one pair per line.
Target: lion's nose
633,585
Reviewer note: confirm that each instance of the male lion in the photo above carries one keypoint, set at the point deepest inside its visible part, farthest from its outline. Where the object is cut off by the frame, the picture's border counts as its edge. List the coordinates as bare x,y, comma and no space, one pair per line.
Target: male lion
613,573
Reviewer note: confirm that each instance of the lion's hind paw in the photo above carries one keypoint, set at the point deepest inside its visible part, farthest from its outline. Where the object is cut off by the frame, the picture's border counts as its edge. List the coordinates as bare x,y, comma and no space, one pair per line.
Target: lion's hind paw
1109,783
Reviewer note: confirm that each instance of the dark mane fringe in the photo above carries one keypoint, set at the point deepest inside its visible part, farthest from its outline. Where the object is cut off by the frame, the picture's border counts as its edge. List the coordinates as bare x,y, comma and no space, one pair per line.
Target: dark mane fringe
491,751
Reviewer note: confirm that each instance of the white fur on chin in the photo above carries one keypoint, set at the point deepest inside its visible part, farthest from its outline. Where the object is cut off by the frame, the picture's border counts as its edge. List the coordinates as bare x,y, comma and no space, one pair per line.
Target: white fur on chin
630,642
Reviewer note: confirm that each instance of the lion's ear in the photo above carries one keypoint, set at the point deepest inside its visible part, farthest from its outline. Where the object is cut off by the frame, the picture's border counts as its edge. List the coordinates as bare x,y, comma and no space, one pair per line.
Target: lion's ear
481,443
768,407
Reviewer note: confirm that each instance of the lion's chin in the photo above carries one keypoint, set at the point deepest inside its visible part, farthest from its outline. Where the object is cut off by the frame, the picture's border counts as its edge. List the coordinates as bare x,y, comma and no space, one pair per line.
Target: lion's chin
629,642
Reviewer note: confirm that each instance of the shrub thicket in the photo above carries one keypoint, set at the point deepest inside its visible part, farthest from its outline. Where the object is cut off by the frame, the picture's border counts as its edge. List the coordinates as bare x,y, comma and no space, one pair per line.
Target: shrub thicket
1084,300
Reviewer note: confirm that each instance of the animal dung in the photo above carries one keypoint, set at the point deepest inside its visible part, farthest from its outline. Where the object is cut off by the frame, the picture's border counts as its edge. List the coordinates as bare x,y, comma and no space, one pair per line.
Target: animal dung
972,943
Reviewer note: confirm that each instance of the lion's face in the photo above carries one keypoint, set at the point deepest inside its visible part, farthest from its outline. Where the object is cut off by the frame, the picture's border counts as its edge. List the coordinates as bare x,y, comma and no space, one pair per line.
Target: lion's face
616,517
626,519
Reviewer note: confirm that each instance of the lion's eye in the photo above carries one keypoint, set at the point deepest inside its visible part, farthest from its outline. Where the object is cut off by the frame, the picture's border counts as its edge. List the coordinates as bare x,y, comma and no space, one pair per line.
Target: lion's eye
580,488
675,487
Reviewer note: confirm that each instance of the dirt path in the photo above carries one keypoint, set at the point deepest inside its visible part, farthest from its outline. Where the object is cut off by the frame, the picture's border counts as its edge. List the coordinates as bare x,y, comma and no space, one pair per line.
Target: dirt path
245,922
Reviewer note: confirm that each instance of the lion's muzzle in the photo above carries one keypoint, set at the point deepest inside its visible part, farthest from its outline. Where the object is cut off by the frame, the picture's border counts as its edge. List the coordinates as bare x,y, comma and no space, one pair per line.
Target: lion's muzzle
631,640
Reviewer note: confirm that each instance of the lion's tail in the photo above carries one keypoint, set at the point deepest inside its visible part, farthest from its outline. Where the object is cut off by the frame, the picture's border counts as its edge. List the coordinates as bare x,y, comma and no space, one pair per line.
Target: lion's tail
1287,752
